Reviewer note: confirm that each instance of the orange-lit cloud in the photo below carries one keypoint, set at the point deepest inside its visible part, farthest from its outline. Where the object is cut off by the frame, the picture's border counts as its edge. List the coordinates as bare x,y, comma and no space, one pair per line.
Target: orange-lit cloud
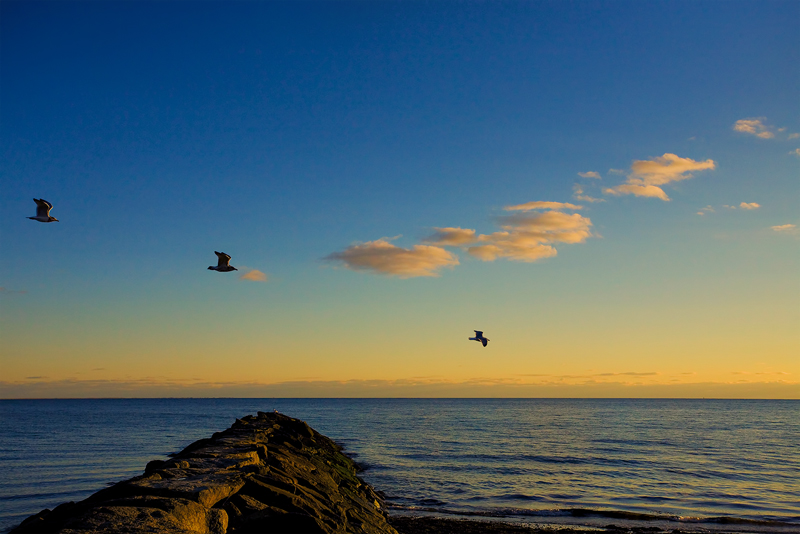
638,190
749,205
512,246
524,237
647,175
785,228
450,237
754,127
543,205
667,168
590,174
795,152
254,276
707,209
382,257
578,194
529,236
550,226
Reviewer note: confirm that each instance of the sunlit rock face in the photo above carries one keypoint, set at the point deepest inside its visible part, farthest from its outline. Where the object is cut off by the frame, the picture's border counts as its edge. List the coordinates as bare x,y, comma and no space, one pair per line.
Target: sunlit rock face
266,474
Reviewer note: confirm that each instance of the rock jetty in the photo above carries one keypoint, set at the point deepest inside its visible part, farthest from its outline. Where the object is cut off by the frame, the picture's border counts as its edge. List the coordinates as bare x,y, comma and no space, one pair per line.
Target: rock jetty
267,474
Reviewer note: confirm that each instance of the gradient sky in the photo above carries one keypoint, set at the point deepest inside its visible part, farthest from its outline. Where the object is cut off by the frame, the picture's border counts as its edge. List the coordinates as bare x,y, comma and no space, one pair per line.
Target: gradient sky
608,189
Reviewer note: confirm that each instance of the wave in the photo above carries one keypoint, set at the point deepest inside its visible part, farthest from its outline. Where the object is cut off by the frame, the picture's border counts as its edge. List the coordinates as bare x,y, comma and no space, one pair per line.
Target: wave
425,507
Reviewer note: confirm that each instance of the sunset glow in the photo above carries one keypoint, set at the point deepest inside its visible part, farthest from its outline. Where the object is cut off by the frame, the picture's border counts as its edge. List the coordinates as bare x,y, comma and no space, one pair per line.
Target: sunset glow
609,191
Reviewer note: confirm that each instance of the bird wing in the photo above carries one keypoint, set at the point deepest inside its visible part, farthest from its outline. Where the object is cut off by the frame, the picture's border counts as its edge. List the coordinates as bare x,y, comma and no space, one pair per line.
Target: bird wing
478,333
223,259
43,207
484,341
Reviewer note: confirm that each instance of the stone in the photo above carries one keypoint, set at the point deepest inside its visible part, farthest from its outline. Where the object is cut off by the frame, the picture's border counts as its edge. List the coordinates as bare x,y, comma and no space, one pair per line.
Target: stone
266,474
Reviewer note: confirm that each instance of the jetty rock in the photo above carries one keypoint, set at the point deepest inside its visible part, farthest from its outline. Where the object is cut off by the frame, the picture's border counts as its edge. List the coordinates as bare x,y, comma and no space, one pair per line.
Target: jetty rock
267,474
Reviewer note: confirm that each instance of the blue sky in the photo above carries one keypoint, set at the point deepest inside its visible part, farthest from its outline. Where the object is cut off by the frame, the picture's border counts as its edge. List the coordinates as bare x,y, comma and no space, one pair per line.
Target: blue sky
285,133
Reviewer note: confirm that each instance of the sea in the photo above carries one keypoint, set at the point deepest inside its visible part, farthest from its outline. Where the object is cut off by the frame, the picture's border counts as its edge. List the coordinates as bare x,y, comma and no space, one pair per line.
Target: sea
690,465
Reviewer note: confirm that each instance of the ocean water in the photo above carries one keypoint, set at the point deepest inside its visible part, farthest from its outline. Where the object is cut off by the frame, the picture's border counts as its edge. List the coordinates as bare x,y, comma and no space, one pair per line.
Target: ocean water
717,465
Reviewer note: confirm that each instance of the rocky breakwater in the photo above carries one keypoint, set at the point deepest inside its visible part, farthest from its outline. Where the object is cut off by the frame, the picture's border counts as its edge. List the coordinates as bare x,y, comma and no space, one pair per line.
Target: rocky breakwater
266,474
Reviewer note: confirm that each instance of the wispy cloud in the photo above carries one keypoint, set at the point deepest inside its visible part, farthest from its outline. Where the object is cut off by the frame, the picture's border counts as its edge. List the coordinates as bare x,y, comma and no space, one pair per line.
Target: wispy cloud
758,127
451,237
590,174
7,291
755,127
254,275
627,374
647,176
707,209
382,257
744,206
543,205
795,152
785,228
578,194
652,385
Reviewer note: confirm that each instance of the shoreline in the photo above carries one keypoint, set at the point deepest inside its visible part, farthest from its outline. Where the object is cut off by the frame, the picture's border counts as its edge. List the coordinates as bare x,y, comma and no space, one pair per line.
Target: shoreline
407,522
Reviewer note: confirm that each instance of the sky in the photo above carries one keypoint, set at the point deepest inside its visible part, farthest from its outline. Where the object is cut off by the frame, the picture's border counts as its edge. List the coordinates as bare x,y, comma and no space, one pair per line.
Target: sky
608,190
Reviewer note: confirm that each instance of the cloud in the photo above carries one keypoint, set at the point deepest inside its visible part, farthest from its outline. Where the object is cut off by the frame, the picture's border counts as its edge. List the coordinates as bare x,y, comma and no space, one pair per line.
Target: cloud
512,246
638,190
448,237
577,194
550,226
254,276
382,257
785,228
529,237
617,171
707,209
590,174
667,168
647,175
543,205
794,135
744,206
627,374
795,152
606,385
754,127
7,291
526,237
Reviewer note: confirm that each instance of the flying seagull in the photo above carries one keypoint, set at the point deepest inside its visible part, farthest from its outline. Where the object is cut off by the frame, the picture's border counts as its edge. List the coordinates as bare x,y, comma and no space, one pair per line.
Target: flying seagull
43,208
479,337
223,263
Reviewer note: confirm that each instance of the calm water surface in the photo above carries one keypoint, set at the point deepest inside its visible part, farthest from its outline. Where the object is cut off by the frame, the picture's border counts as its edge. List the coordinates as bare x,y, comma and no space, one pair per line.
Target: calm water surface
701,462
